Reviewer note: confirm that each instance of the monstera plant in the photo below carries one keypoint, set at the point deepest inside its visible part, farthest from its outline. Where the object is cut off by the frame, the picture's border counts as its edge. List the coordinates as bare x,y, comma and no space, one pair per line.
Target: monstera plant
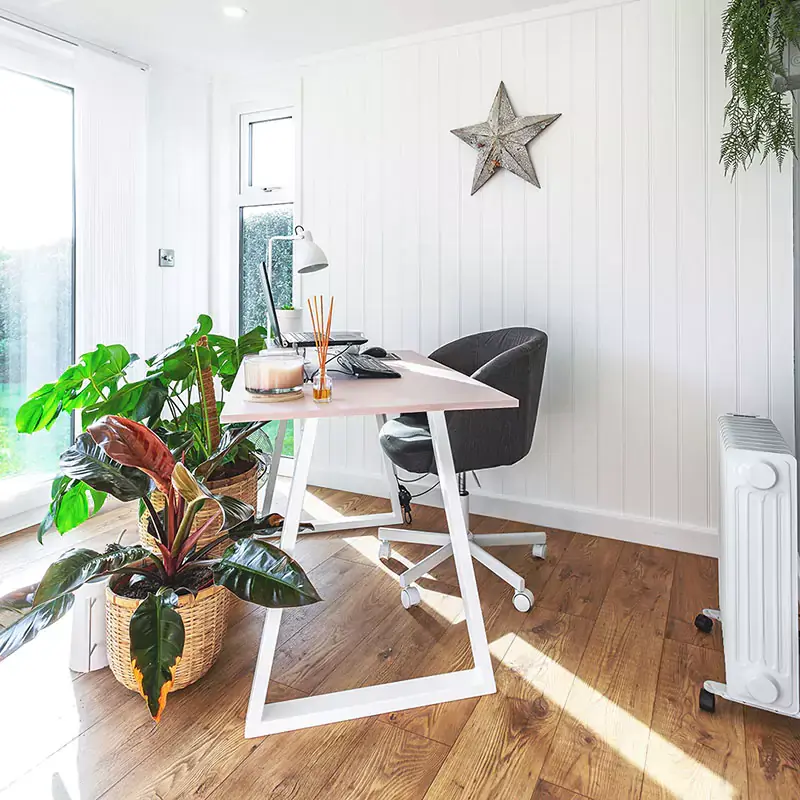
174,395
126,459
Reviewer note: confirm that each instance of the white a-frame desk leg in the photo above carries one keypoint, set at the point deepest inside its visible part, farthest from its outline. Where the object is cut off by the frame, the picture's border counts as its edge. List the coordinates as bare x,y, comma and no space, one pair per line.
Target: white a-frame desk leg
263,718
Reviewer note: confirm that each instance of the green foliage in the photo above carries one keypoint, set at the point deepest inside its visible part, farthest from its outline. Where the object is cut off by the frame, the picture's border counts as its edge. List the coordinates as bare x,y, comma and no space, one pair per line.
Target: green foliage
157,638
21,620
258,225
166,399
36,286
76,567
759,119
261,573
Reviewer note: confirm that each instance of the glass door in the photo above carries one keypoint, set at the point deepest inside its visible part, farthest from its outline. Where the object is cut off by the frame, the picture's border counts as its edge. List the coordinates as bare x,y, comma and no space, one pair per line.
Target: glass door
37,257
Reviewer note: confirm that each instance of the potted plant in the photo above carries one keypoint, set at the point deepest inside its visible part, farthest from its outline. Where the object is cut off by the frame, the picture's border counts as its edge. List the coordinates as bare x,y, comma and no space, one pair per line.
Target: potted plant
755,36
290,318
174,396
165,610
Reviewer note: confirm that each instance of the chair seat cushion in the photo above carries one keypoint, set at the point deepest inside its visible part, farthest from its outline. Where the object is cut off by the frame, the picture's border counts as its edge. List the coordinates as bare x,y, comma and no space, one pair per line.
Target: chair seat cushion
407,442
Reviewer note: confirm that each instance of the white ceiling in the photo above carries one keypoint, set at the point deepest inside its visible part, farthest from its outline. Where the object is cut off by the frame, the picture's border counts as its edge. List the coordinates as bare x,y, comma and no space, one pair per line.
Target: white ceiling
196,33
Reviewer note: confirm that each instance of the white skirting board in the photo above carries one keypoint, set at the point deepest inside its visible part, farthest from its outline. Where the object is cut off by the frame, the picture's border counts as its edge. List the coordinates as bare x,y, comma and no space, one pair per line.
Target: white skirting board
625,528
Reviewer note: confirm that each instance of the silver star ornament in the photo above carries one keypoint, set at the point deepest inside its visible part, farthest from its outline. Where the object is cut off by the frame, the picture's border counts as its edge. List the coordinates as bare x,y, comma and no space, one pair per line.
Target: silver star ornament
502,141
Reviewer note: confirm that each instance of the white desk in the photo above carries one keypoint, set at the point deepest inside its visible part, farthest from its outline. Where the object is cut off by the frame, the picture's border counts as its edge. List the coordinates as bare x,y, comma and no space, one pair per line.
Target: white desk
425,386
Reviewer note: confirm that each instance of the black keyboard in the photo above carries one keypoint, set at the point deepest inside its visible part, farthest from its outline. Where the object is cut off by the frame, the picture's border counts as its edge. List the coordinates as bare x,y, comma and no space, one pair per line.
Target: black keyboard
366,366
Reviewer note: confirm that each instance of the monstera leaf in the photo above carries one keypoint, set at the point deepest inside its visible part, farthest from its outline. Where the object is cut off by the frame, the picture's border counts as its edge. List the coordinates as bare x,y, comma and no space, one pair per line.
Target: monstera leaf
76,567
20,621
230,352
87,461
82,386
135,445
69,505
263,574
157,637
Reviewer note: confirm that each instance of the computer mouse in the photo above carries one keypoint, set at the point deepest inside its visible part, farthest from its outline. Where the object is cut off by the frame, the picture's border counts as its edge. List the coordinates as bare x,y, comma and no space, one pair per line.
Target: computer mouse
375,352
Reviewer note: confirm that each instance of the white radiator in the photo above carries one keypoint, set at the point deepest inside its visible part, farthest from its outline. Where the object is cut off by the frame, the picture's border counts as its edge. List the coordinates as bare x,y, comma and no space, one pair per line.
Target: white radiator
758,568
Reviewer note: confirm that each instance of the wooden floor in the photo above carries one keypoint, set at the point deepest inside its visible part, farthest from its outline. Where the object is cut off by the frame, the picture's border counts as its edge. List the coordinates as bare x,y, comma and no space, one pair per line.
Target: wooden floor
597,688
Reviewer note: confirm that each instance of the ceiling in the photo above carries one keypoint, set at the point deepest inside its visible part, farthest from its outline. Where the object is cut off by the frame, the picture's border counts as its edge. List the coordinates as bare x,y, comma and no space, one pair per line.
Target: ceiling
197,34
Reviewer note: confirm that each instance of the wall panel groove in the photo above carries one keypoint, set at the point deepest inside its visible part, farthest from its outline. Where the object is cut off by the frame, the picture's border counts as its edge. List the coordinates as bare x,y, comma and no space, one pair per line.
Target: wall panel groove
664,287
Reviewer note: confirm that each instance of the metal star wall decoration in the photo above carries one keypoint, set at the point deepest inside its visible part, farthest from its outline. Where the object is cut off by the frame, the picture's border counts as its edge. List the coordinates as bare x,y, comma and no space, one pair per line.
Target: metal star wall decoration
502,141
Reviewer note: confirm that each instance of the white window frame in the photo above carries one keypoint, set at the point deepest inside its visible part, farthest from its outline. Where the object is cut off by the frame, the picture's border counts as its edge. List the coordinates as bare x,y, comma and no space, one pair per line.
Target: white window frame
24,498
248,196
260,195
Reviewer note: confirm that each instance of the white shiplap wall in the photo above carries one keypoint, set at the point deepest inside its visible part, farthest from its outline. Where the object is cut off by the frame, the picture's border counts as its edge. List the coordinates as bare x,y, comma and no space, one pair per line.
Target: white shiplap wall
665,288
178,202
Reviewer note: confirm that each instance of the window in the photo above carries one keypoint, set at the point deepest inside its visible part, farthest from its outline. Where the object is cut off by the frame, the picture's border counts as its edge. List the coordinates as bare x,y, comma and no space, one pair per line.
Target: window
266,209
37,222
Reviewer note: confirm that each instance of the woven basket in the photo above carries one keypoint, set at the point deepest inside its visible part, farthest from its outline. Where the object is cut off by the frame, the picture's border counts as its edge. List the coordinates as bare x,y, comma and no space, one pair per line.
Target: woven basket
243,487
205,620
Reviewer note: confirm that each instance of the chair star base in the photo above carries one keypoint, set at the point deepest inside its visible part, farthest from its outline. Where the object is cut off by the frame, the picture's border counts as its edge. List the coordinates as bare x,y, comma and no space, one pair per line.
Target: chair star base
523,598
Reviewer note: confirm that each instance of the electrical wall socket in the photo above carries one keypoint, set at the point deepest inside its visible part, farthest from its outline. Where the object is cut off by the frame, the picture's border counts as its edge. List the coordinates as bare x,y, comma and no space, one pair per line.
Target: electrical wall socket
166,258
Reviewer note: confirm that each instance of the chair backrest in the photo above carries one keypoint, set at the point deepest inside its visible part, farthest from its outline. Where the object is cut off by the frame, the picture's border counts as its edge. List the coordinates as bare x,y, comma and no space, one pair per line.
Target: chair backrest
511,360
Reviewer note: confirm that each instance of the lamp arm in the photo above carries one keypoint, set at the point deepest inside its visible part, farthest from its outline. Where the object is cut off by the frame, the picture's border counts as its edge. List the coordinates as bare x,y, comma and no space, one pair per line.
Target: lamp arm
269,248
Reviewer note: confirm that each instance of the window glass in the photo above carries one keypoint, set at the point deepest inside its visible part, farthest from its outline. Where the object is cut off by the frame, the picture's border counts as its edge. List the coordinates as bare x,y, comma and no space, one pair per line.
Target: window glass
36,261
272,154
258,224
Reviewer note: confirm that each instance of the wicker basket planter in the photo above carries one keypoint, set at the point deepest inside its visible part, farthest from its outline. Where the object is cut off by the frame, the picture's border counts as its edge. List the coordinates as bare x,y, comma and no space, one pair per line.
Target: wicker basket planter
243,487
205,619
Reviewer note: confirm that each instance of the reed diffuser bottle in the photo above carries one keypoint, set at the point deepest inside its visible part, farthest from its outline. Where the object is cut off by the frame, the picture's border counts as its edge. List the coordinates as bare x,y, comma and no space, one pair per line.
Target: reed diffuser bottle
322,386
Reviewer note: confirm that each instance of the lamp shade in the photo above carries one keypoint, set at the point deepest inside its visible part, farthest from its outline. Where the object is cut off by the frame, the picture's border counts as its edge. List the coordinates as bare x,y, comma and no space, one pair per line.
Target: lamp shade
308,256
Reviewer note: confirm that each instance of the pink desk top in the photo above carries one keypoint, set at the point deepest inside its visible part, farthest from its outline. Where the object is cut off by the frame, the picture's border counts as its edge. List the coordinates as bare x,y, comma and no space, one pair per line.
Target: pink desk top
425,386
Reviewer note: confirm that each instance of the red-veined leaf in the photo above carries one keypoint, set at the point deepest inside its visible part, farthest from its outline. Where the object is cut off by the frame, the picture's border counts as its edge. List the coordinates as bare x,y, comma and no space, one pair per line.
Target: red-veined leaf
135,445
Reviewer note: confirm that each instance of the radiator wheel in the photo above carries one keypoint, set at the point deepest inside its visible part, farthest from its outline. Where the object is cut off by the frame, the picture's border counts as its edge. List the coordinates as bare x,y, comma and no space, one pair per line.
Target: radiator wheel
703,623
707,701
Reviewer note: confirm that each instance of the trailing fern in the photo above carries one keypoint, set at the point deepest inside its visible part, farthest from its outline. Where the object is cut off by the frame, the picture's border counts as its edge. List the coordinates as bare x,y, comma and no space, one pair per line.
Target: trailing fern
759,118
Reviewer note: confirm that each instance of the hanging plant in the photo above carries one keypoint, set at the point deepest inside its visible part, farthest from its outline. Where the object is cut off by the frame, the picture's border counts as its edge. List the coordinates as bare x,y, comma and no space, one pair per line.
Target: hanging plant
755,34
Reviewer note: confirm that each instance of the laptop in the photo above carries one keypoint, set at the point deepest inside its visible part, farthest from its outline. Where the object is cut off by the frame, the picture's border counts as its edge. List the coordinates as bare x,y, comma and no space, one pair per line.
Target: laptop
305,338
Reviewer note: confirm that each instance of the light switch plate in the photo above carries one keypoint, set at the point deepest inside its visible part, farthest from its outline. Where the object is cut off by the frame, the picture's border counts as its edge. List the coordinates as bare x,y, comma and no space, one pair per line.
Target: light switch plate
166,258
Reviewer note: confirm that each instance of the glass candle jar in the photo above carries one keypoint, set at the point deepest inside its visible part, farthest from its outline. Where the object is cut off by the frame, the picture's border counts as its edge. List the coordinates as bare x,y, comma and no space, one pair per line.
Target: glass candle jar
273,375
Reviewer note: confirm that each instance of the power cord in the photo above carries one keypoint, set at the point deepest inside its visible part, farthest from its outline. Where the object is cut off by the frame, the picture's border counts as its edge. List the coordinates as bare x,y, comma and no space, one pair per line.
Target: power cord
310,378
406,497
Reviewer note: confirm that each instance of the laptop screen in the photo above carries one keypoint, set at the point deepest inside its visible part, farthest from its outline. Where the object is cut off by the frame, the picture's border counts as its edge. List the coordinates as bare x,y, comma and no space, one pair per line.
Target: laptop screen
274,327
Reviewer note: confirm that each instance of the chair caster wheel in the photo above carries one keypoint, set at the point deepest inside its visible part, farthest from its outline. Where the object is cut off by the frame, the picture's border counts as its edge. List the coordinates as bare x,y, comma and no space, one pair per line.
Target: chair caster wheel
707,701
385,551
704,624
539,551
523,601
410,597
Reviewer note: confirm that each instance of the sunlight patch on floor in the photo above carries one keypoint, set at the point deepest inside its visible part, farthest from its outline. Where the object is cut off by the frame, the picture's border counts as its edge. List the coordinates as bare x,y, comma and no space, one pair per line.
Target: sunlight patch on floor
668,765
58,778
36,684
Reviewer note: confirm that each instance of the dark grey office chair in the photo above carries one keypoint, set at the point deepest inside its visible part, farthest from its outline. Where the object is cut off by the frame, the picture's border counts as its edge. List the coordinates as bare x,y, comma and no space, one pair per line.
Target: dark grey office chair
511,360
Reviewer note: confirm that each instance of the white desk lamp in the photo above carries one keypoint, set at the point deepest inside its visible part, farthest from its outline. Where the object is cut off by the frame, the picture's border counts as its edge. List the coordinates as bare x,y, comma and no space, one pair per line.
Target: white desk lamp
308,255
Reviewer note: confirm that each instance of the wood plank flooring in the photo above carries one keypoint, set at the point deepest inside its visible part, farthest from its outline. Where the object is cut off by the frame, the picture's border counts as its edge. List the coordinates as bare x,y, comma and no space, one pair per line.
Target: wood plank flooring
597,687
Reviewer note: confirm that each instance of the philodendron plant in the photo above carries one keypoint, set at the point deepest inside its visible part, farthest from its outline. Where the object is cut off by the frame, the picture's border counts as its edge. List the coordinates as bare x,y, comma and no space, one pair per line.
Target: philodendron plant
126,459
